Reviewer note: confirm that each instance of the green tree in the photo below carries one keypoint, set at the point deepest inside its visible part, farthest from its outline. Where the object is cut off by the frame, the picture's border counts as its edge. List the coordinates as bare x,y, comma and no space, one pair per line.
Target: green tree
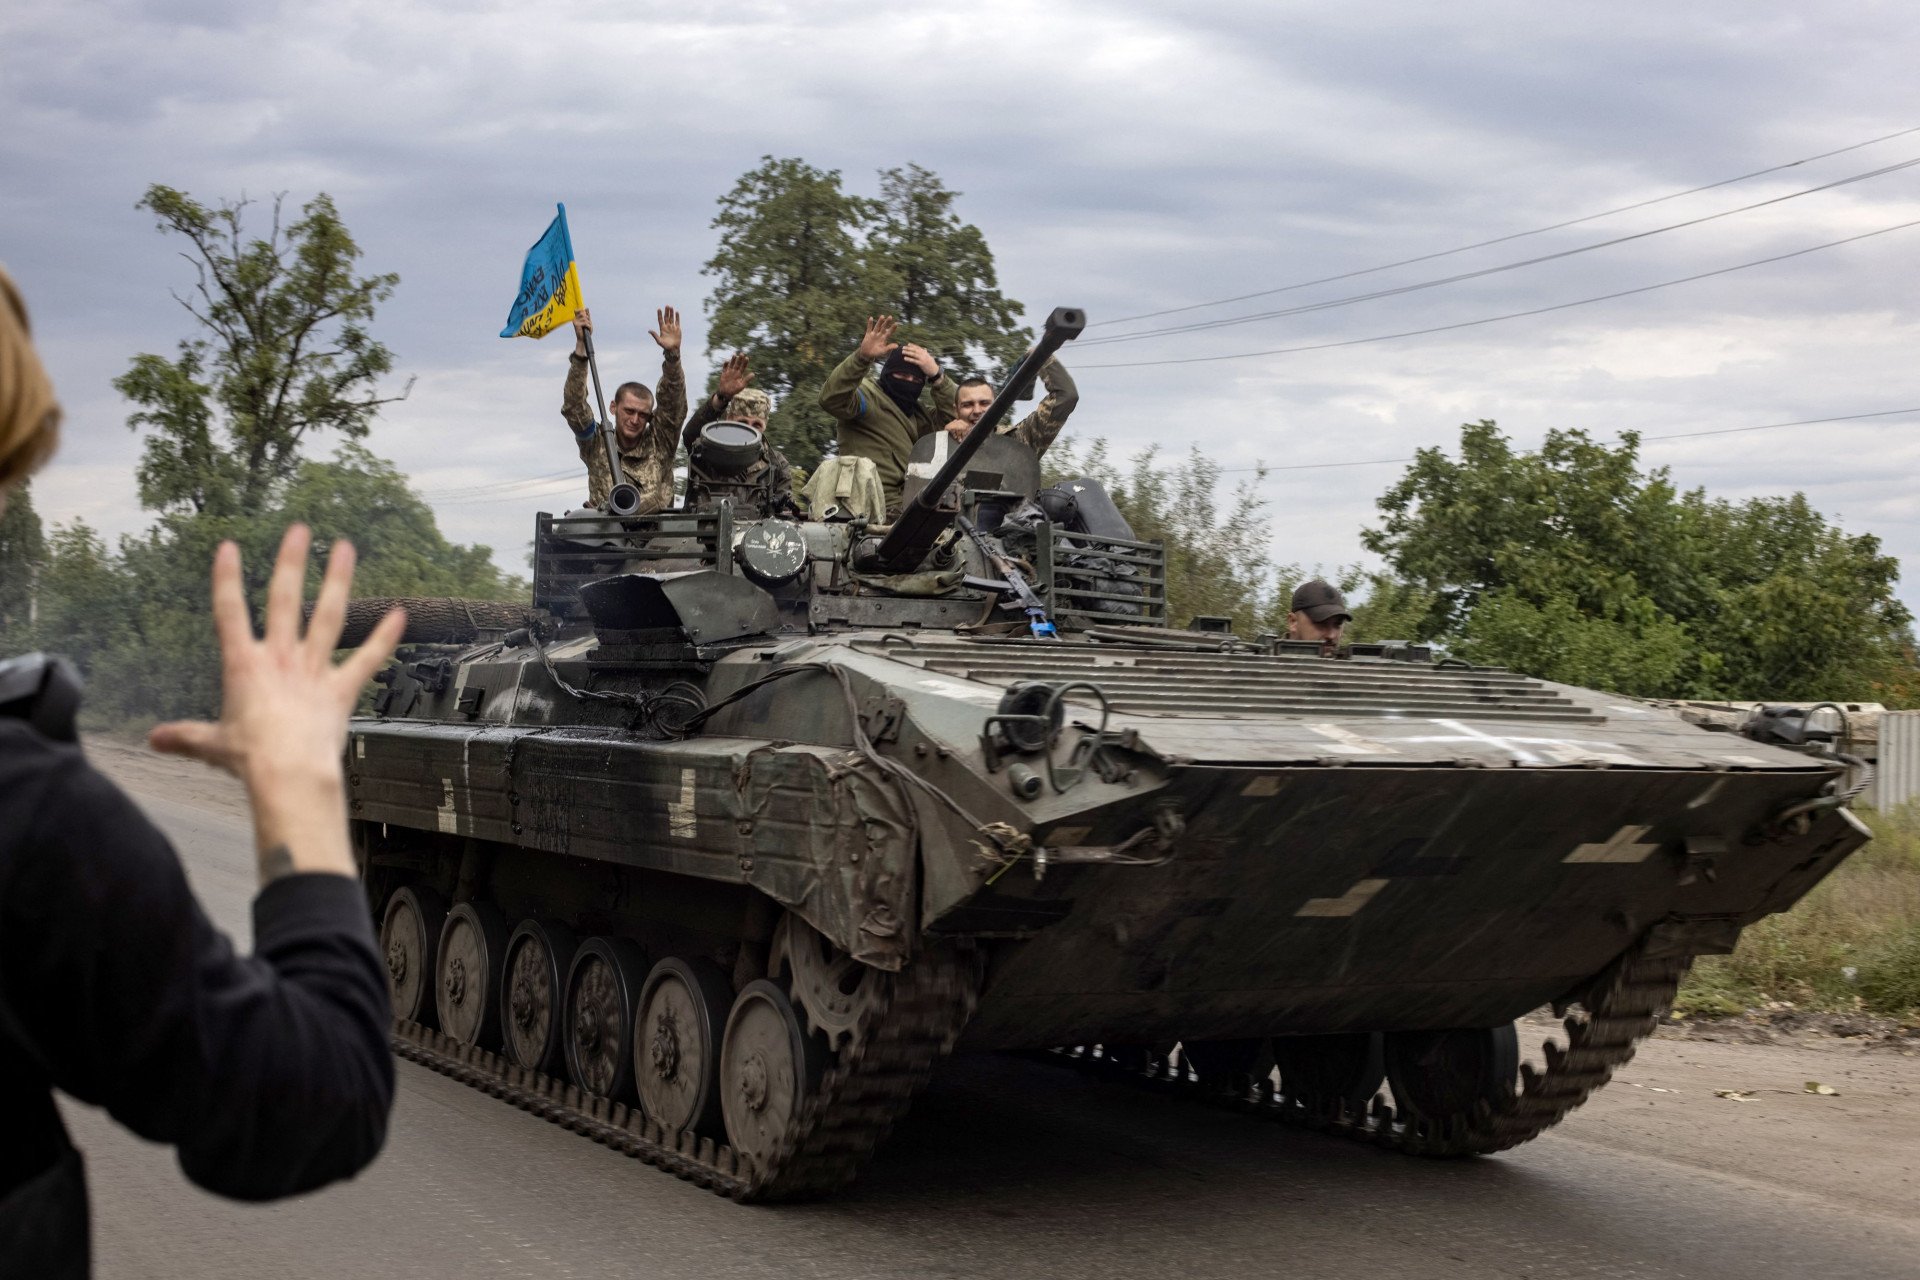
802,262
1217,551
83,599
282,351
135,617
1388,610
1572,563
790,289
1641,651
401,550
23,553
936,273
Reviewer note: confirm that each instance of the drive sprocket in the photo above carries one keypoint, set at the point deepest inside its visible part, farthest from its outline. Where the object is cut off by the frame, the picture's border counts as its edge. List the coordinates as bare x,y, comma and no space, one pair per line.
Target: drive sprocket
834,991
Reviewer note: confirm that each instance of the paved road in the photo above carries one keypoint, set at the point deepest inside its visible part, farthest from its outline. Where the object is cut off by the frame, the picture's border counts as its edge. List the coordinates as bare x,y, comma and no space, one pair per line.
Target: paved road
1011,1168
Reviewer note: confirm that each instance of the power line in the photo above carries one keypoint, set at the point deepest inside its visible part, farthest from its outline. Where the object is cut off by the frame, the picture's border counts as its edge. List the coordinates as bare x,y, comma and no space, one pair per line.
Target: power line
1417,286
1805,422
1517,235
548,489
1511,315
1676,435
457,491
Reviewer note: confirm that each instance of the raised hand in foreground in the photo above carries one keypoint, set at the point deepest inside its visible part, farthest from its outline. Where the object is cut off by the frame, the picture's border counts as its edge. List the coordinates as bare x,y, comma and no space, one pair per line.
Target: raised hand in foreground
284,706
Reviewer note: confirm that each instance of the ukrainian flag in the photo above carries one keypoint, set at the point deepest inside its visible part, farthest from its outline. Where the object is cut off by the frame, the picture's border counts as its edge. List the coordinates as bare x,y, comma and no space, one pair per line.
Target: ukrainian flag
549,285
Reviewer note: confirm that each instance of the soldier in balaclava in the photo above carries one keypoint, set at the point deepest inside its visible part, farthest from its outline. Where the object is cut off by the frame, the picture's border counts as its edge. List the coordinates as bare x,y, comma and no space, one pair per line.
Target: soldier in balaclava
882,410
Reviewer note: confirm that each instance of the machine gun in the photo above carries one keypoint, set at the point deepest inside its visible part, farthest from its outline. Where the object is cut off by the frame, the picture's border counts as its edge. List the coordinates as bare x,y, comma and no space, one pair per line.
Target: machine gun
1015,581
923,519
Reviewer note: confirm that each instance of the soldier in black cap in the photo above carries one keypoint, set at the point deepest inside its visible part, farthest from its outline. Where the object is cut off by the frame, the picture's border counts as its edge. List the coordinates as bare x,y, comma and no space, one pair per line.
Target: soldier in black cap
1319,614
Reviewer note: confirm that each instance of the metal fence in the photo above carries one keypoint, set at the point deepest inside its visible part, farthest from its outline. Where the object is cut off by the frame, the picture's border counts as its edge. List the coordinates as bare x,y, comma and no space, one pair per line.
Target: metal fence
1897,776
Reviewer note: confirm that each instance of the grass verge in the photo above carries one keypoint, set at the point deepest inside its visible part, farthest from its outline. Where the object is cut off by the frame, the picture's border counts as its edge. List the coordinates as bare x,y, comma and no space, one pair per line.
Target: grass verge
1853,944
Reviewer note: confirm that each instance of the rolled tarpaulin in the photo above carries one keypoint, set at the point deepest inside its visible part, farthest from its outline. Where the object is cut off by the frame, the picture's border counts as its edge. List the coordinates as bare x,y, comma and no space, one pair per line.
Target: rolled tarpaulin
439,620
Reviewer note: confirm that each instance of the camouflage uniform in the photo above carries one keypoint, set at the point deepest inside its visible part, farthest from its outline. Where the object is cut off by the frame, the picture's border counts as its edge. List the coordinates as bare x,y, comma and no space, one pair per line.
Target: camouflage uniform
872,426
749,403
649,463
1038,428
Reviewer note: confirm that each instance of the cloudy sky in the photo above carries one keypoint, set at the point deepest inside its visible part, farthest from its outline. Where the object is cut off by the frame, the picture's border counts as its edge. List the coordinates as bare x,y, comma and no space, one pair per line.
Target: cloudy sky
1123,157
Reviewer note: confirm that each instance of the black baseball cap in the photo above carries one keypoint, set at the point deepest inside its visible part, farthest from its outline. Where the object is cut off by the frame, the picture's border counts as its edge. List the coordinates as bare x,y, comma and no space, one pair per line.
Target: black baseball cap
1320,601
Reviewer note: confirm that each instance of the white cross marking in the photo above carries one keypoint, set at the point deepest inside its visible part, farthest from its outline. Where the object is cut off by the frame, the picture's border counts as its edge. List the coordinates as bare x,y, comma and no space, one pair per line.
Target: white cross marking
682,821
1504,744
1629,844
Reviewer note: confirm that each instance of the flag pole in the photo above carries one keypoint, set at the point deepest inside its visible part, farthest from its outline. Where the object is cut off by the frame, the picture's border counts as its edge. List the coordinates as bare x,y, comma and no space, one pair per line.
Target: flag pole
623,499
600,398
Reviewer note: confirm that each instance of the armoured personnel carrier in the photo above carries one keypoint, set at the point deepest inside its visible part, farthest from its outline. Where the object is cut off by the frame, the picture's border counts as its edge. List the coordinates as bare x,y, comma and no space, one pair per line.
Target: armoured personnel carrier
714,852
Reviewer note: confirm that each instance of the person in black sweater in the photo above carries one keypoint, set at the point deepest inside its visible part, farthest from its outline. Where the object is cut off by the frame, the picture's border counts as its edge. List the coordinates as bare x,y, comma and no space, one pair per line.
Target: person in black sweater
270,1073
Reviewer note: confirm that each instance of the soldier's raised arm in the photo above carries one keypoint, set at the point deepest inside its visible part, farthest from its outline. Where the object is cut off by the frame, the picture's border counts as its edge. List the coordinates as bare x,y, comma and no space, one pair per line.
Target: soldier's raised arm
573,401
840,395
1038,429
942,390
734,377
670,394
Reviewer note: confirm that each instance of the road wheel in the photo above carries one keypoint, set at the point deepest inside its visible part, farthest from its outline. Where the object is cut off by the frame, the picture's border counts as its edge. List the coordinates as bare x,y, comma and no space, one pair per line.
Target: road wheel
533,993
1445,1075
1325,1070
408,933
469,962
768,1065
603,987
676,1043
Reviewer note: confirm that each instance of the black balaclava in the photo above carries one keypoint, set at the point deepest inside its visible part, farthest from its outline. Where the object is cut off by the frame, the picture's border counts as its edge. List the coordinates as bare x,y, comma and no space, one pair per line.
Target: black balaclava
902,380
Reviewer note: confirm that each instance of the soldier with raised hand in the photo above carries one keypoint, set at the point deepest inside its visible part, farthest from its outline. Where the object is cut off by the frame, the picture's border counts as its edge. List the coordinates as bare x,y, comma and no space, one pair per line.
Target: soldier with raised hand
646,427
882,411
735,374
734,401
1038,429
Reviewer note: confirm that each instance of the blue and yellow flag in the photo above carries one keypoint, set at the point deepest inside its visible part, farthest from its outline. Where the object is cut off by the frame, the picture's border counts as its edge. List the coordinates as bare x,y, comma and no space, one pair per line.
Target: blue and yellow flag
549,285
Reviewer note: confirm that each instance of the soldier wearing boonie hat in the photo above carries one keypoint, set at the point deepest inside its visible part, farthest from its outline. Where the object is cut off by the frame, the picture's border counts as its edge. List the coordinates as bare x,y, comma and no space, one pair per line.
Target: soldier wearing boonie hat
754,407
1319,613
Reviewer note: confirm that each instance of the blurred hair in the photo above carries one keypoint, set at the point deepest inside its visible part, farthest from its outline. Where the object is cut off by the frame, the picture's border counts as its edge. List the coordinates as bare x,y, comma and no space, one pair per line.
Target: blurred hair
633,389
29,415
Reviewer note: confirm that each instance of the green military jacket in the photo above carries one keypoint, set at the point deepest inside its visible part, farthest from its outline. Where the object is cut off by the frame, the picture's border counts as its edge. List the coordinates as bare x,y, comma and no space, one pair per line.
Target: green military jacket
1038,428
872,426
649,463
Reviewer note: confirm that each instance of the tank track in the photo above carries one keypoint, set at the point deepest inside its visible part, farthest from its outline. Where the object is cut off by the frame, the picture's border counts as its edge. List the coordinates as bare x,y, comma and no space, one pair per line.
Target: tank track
1620,1008
868,1087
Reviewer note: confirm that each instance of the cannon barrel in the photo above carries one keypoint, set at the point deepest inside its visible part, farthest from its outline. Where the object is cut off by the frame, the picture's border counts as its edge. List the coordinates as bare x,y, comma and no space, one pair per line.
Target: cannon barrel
922,520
